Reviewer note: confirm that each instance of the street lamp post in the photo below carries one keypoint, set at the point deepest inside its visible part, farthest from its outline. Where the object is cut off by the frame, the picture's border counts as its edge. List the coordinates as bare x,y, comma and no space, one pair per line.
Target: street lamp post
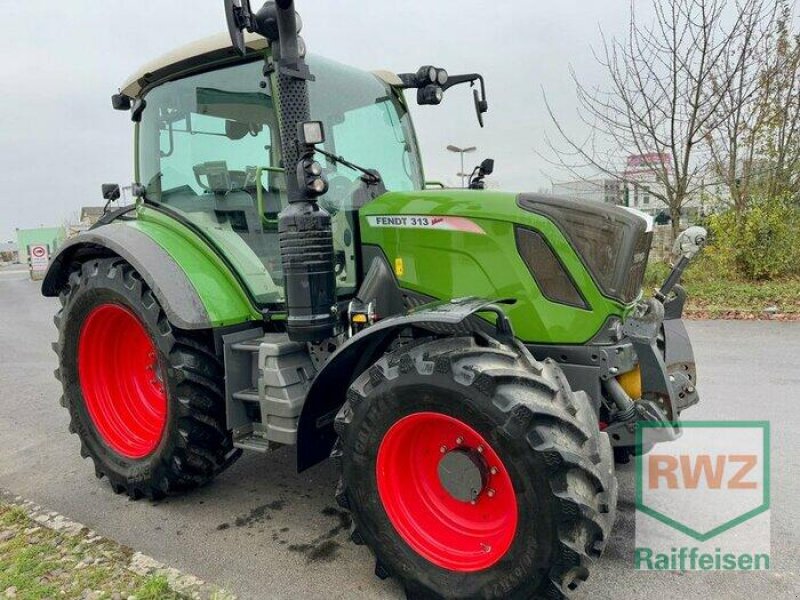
462,152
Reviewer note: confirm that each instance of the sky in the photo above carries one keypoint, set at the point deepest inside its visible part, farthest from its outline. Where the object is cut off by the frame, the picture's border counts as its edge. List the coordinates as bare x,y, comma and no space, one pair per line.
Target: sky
60,139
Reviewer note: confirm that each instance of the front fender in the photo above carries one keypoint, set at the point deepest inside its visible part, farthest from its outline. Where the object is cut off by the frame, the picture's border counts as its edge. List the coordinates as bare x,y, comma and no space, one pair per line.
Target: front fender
315,434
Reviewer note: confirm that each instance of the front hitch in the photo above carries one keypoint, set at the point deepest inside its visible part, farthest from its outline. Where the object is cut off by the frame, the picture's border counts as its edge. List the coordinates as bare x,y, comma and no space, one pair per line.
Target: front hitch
658,402
664,353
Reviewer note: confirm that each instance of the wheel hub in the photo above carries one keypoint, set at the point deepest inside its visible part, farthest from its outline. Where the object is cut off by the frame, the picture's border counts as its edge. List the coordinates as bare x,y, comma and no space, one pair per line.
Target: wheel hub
463,473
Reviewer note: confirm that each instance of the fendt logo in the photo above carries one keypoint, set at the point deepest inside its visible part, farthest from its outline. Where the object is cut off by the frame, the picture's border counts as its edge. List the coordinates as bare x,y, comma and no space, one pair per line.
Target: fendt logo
702,501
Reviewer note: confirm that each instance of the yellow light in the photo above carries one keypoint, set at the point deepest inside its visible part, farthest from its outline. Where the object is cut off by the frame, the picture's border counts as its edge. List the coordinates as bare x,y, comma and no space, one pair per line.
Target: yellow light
399,267
631,382
359,318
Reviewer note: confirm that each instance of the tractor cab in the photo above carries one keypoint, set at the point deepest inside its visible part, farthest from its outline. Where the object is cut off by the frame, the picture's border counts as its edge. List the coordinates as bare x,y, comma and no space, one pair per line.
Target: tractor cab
209,150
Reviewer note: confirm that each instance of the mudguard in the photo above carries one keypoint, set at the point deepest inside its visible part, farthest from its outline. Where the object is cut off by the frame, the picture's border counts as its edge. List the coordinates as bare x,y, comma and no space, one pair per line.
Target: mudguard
315,434
173,290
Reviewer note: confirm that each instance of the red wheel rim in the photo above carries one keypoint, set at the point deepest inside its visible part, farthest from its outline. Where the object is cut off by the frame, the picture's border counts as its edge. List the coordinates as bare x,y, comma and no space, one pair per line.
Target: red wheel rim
119,377
453,534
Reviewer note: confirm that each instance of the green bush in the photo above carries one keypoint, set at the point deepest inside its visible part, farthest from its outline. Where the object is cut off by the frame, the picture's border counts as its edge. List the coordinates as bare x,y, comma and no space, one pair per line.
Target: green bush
762,243
656,274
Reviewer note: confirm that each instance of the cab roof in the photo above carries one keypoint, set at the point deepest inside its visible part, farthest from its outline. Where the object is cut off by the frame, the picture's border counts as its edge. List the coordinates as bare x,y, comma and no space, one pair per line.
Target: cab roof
209,52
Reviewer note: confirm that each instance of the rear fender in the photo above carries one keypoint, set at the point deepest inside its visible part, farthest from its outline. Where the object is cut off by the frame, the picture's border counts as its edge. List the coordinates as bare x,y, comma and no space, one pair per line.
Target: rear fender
327,394
175,293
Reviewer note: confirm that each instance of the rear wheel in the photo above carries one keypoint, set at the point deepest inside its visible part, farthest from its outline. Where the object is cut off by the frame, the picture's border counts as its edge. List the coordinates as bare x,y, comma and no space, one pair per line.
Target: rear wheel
145,399
474,472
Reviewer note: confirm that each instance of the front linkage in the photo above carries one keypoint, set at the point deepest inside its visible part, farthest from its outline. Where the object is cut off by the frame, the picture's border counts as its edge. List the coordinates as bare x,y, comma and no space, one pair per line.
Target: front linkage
664,354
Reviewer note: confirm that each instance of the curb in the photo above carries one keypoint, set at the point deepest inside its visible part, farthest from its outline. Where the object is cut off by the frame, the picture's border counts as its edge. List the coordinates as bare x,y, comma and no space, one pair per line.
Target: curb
138,563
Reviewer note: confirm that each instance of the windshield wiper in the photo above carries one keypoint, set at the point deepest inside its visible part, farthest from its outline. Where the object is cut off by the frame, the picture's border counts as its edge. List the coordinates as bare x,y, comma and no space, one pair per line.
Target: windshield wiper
370,175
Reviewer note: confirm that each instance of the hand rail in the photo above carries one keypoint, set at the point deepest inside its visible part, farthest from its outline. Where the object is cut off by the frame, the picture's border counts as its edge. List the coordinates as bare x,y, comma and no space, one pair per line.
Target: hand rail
260,188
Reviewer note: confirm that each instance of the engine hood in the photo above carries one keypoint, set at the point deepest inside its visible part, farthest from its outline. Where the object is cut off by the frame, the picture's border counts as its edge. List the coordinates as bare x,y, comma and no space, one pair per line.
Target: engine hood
612,242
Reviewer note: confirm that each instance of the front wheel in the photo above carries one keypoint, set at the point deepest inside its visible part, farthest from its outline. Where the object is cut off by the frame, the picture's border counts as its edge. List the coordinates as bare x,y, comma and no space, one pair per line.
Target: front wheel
145,399
474,472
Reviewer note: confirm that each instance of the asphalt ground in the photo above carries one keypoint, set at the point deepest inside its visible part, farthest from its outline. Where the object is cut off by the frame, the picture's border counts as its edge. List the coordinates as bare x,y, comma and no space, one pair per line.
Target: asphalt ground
262,531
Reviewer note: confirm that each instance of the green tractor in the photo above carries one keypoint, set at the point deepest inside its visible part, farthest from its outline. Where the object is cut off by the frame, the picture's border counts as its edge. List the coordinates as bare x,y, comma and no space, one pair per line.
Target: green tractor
472,361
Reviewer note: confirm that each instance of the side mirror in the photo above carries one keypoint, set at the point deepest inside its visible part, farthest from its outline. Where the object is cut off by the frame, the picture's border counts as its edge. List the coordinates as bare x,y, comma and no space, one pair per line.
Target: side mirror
239,16
111,192
120,102
481,106
479,174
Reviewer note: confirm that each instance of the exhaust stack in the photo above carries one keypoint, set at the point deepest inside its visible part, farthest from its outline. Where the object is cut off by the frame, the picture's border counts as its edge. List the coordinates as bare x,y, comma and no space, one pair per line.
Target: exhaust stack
305,234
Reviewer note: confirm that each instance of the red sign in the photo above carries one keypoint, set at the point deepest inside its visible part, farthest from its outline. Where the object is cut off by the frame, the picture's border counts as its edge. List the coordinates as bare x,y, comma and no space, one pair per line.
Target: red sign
40,257
640,164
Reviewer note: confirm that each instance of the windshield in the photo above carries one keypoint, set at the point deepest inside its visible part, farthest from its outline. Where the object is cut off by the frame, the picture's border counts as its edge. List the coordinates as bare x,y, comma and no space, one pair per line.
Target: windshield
209,149
366,124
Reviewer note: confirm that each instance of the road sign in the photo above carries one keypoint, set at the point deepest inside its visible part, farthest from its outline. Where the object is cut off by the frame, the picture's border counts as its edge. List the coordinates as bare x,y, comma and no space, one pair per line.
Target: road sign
40,257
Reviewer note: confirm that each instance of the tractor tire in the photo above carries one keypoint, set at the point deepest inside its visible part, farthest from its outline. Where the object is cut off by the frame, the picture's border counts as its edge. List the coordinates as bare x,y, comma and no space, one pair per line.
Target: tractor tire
473,471
145,399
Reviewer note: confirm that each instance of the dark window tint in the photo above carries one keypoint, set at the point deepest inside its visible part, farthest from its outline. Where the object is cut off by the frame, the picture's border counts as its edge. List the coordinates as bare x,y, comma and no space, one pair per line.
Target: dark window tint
547,270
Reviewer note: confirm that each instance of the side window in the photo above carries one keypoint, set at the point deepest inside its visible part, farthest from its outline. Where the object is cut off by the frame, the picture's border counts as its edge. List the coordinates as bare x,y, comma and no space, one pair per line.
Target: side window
206,149
200,139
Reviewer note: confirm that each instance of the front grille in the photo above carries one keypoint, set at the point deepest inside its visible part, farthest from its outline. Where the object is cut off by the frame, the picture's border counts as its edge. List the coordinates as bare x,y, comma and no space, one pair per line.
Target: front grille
613,243
641,254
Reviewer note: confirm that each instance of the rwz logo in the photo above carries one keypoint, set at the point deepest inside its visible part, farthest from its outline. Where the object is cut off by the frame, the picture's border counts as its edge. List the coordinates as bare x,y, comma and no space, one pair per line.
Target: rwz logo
687,471
715,477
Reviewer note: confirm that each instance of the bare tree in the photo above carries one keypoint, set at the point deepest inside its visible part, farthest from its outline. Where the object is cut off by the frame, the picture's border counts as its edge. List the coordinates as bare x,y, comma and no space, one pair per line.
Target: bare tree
737,144
668,79
781,139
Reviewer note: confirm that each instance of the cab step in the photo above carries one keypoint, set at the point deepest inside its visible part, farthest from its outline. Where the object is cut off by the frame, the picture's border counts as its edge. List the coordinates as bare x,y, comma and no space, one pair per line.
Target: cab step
253,441
267,377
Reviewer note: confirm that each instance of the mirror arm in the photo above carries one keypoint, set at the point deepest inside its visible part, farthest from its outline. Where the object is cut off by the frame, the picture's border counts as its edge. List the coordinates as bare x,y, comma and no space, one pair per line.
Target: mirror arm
470,78
459,79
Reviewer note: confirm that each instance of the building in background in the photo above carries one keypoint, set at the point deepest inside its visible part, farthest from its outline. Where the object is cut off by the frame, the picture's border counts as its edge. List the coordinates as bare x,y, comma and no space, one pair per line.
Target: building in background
8,252
52,237
91,215
642,182
606,190
636,187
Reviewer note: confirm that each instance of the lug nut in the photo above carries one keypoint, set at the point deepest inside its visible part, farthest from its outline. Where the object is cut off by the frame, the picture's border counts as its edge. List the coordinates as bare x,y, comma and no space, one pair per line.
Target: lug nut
480,449
459,440
490,492
443,449
493,470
